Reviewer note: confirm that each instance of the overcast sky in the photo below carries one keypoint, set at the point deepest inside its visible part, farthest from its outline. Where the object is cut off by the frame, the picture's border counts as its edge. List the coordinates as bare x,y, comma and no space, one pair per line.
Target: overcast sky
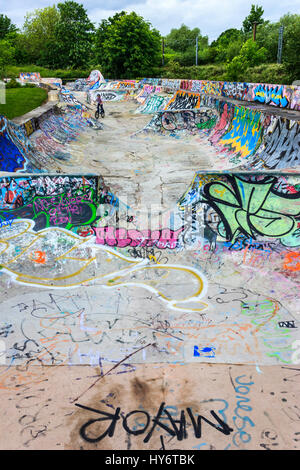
211,16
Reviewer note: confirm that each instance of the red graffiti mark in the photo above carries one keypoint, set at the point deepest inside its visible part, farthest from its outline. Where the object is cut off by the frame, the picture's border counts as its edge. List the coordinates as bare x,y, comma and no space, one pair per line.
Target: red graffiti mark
291,258
122,237
85,232
38,257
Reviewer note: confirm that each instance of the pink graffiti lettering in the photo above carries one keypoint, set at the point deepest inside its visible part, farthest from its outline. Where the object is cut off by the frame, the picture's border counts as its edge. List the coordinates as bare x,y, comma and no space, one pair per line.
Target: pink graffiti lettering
122,237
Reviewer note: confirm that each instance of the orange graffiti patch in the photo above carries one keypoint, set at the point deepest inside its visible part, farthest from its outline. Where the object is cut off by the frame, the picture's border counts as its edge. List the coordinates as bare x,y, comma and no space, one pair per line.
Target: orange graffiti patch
290,261
38,257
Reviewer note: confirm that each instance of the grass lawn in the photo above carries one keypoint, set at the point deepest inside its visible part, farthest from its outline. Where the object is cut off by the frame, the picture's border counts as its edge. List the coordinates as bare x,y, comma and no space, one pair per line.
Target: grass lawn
20,101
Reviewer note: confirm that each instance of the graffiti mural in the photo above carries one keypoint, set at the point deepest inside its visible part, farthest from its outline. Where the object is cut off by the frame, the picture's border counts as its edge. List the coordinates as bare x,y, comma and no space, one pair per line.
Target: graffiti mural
184,100
236,90
186,85
245,133
50,202
254,208
128,310
16,151
153,104
30,77
122,237
211,88
273,95
40,143
280,147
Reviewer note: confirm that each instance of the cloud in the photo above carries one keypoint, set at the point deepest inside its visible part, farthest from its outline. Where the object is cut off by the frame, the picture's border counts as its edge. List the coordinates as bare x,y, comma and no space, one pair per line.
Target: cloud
211,16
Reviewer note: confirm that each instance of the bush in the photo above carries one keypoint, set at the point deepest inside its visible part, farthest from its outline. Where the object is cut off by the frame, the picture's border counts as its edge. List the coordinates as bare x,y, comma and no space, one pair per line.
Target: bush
269,73
250,55
199,72
264,73
64,74
13,84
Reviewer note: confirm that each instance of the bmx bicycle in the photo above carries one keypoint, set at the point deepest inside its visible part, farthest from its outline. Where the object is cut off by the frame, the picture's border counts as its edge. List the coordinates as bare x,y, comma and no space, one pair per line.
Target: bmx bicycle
97,113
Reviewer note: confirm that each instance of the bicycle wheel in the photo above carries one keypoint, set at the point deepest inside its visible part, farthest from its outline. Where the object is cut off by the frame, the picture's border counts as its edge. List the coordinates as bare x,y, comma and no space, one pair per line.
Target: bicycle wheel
96,114
102,114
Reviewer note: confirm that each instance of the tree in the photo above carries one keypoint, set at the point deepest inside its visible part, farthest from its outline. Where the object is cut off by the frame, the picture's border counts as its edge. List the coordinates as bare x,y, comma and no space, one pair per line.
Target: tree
250,55
74,34
127,46
255,16
267,37
7,53
181,46
6,26
228,45
181,39
291,44
40,35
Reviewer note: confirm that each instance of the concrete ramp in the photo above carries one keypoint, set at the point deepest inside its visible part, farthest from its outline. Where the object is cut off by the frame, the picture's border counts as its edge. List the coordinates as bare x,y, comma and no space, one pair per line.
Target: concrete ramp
40,143
191,266
155,306
247,137
153,104
16,152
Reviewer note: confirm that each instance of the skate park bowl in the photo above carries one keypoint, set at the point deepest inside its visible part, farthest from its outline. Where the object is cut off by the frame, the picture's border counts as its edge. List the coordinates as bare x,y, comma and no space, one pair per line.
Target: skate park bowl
149,268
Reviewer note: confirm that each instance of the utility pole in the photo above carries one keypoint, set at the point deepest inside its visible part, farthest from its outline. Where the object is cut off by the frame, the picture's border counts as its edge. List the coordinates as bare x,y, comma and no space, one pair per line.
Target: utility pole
280,40
254,30
163,52
197,50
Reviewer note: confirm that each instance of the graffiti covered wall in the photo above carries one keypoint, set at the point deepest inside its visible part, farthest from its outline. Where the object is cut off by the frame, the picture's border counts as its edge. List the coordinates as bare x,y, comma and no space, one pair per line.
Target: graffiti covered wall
283,96
241,136
184,100
187,317
70,232
42,142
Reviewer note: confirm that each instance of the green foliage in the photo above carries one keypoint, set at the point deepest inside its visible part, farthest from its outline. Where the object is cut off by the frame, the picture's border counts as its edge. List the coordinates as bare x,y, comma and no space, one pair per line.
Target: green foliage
264,73
7,54
291,44
255,16
267,36
14,71
180,40
39,37
13,84
228,45
205,72
127,46
57,36
6,26
180,45
60,41
268,73
74,36
250,55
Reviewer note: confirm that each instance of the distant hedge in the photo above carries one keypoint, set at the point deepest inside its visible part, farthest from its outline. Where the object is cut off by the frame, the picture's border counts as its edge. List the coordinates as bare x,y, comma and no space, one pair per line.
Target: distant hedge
265,73
67,74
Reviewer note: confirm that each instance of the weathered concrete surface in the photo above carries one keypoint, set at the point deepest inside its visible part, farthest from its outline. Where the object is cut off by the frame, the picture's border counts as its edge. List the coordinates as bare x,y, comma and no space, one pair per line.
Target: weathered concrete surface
35,113
199,310
220,269
39,407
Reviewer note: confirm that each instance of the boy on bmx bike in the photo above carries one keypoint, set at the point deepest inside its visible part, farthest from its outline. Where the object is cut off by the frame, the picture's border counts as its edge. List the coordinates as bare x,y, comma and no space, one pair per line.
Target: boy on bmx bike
100,108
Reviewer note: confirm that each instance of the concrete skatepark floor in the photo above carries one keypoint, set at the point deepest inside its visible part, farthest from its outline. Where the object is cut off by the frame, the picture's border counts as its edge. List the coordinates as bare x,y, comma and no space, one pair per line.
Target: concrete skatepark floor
152,168
104,315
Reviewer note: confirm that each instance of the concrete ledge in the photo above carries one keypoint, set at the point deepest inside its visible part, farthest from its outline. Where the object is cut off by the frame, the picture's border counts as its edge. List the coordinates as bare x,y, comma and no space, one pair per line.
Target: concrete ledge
35,113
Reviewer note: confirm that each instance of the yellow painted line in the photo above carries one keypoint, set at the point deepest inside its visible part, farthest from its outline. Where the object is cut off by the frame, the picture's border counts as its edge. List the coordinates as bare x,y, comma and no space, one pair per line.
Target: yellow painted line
29,225
50,278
